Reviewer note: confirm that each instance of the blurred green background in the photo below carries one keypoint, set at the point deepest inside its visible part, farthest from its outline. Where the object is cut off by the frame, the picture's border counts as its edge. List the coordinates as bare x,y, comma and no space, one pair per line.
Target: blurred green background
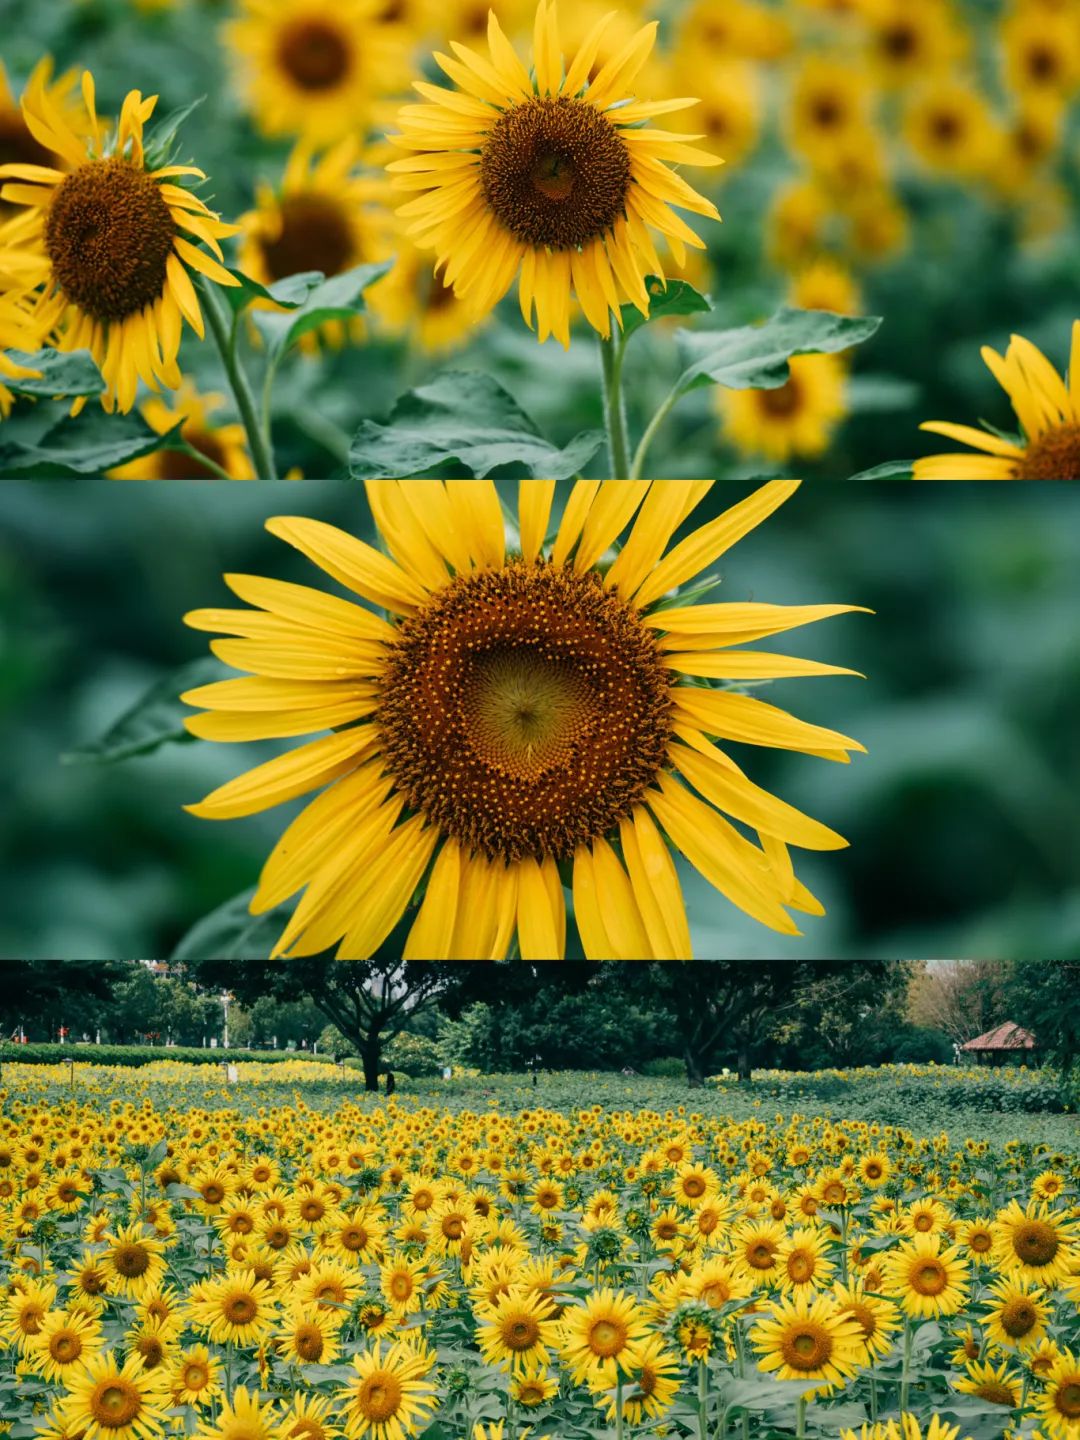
963,818
980,259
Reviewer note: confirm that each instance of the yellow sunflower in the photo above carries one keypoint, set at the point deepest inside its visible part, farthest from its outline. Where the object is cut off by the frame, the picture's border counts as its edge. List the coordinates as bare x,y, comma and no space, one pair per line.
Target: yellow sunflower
309,1334
243,1416
802,1263
1018,1315
65,1340
927,1280
323,216
319,69
234,1309
390,1396
550,173
516,1330
798,418
224,447
600,1337
310,1417
110,255
877,1317
996,1384
1058,1406
134,1261
18,144
808,1338
195,1376
909,1429
554,696
1048,408
110,1401
1036,1243
655,1377
415,301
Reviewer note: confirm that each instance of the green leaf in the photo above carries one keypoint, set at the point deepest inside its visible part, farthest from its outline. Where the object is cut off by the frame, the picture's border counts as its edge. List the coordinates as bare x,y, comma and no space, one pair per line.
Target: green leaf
85,444
231,932
153,721
467,417
290,292
676,298
891,470
61,374
157,1154
160,138
755,357
339,298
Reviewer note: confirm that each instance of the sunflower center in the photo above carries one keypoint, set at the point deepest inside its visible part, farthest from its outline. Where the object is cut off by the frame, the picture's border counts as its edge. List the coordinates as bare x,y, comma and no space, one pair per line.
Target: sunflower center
1018,1317
800,1267
240,1309
109,235
807,1349
309,1342
213,1193
607,1338
313,54
693,1186
1067,1399
1036,1243
379,1396
114,1403
1054,456
521,1333
898,41
782,401
65,1346
981,1242
866,1318
314,235
555,172
131,1261
525,710
929,1278
196,1375
996,1393
760,1256
151,1350
307,1429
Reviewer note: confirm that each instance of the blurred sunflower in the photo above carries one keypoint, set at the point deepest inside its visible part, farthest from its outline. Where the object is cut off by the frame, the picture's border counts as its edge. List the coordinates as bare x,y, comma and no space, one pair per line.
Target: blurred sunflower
1048,408
224,446
826,284
20,332
18,144
108,246
797,418
316,68
948,124
550,176
323,216
519,709
415,300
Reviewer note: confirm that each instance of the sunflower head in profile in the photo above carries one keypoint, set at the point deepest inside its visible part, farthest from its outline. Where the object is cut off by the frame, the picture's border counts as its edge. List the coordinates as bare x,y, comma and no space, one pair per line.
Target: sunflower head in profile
116,237
523,721
323,216
1047,406
316,68
551,175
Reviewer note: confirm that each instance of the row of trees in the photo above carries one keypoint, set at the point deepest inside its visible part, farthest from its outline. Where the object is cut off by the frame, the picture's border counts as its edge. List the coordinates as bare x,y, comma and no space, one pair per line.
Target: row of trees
572,1015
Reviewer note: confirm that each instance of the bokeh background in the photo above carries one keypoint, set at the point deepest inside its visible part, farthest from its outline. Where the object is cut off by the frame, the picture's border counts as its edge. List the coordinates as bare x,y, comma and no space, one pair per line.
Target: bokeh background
963,818
920,158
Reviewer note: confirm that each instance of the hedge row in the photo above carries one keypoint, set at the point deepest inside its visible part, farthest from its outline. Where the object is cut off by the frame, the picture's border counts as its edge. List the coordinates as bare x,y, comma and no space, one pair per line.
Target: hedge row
143,1054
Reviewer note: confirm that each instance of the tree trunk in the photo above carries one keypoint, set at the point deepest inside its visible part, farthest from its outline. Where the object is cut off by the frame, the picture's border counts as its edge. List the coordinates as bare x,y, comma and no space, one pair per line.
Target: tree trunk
371,1055
695,1073
743,1062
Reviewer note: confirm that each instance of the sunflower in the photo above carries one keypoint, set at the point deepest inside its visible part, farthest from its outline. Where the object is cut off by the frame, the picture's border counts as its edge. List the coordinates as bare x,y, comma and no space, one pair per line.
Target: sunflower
802,1263
134,1261
18,144
390,1396
310,1417
808,1338
1036,1243
1047,407
323,216
110,1401
1058,1406
234,1309
309,1335
551,174
516,1330
320,69
826,284
65,1340
755,1250
533,1386
996,1384
243,1416
977,1238
552,695
877,1317
909,1428
224,446
927,1280
797,418
401,1283
949,126
194,1375
109,248
717,1282
414,300
654,1381
1017,1318
599,1337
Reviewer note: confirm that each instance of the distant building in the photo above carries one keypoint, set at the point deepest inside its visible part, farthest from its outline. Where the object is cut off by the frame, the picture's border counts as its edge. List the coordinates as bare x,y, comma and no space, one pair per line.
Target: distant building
1008,1044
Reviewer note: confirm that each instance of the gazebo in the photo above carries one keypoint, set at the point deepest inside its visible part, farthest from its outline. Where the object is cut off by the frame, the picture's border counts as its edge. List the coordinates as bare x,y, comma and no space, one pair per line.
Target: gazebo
1006,1043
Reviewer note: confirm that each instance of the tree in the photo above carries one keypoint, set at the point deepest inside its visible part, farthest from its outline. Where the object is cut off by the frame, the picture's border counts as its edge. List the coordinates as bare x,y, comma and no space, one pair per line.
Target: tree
1044,997
42,995
368,1001
962,998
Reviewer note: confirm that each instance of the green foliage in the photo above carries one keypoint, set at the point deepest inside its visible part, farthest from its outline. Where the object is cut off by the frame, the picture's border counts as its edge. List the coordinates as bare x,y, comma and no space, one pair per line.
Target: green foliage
755,357
676,297
466,419
413,1055
133,1056
155,719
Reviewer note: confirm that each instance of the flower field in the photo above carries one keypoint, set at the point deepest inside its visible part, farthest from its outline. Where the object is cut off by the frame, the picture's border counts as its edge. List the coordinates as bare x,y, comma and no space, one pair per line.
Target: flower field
302,238
279,1258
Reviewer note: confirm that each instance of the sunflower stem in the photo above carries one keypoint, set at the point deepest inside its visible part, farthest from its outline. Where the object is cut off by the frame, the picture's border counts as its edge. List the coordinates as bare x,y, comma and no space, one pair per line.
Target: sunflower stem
665,409
258,441
204,460
611,358
703,1399
905,1374
618,1407
800,1418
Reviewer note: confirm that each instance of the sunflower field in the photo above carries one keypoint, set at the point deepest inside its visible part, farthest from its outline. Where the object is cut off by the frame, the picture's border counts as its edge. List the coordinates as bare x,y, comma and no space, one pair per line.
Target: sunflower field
274,1259
268,238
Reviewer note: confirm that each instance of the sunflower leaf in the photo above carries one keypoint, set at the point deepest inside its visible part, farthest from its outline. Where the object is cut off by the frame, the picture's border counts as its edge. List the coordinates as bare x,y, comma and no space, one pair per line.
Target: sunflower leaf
891,470
58,374
467,419
231,932
755,357
338,298
154,720
86,444
674,298
289,293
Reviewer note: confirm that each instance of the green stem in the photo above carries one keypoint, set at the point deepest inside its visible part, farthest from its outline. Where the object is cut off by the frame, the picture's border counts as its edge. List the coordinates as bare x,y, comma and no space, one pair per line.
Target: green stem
905,1374
703,1399
653,426
220,327
612,351
800,1418
873,1401
618,1408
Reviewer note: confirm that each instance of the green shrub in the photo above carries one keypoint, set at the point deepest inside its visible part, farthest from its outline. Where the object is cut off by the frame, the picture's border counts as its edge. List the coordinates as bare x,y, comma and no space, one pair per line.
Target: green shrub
143,1054
665,1067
